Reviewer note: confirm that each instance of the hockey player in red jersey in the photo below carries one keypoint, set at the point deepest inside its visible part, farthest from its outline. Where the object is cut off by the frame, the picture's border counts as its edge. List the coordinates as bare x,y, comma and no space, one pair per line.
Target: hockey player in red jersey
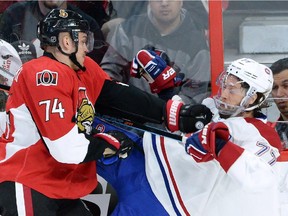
48,150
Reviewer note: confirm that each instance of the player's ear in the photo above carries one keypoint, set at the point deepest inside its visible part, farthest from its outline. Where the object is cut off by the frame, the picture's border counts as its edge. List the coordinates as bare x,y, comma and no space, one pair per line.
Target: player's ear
253,98
65,41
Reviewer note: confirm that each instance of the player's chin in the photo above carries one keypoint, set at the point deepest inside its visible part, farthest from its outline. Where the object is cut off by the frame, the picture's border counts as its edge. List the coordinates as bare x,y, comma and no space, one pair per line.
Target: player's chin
76,68
283,109
282,105
81,61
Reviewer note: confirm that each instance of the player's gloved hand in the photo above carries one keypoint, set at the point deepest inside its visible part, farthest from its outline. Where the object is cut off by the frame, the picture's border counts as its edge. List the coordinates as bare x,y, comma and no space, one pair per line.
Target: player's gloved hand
186,118
220,133
137,70
126,144
119,146
155,70
210,103
206,144
159,52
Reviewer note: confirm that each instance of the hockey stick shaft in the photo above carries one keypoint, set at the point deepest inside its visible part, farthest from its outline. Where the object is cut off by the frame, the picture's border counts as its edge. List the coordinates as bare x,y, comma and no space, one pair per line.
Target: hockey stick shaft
138,126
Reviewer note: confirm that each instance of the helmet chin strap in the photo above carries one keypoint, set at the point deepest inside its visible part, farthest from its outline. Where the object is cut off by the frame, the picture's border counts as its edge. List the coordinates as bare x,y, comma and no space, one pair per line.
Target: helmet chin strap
72,57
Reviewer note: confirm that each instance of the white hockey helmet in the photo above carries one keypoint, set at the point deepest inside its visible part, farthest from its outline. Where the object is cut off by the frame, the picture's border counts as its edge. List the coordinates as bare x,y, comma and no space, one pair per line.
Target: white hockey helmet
259,79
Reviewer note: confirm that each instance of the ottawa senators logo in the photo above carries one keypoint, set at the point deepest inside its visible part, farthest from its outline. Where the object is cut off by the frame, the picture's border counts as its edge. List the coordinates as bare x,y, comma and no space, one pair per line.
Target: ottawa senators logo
85,114
63,14
47,78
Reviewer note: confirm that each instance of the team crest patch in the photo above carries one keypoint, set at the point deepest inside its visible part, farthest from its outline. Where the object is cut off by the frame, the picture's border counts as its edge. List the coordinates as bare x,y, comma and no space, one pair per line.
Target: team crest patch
85,112
47,78
100,128
63,14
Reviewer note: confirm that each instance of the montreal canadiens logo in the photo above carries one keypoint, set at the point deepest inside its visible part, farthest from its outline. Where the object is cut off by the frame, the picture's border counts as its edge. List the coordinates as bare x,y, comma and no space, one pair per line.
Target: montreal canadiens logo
100,128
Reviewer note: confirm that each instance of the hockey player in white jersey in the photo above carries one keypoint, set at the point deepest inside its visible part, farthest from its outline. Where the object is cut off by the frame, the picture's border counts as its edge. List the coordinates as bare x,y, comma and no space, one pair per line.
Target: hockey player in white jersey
229,166
227,169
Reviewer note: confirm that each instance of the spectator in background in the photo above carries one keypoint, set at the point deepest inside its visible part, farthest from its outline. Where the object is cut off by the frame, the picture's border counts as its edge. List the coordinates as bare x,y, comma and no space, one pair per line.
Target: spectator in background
280,95
198,12
19,22
26,50
169,27
101,11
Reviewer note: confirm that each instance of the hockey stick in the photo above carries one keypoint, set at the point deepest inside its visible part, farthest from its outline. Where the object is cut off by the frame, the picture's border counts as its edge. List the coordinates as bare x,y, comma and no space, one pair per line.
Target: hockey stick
138,126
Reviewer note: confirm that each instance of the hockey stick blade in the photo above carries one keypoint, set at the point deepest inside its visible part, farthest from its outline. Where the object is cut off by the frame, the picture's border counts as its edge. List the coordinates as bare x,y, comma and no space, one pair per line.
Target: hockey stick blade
138,126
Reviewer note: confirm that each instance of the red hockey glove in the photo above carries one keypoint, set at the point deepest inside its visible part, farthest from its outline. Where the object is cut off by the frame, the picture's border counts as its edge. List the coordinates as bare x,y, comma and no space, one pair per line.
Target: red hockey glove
220,135
186,118
160,53
196,145
155,70
207,143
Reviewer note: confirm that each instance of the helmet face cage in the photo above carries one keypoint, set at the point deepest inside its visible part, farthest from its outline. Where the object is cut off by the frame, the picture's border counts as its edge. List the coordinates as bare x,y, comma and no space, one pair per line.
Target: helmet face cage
59,20
224,108
257,77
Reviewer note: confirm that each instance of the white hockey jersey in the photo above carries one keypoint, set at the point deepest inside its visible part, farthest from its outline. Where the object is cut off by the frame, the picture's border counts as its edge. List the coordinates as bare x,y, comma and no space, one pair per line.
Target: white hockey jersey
282,168
248,187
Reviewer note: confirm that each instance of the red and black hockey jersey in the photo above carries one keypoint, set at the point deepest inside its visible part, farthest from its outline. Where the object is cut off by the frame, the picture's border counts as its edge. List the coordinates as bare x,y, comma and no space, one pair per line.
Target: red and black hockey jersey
41,147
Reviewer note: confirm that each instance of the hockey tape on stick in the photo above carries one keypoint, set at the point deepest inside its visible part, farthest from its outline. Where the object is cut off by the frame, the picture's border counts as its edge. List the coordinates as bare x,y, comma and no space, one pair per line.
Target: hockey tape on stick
138,126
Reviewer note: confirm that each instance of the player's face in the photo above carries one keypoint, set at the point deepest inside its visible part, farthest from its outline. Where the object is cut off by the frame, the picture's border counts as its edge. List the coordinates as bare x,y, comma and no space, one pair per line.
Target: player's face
165,11
82,47
280,91
231,91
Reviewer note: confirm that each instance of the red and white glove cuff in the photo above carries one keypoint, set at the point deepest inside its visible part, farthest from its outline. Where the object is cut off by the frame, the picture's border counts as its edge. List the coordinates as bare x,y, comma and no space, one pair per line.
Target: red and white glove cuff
172,114
165,81
109,139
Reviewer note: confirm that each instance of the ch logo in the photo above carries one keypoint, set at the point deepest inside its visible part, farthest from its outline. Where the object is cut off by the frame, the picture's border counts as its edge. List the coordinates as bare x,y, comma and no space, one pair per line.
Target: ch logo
100,128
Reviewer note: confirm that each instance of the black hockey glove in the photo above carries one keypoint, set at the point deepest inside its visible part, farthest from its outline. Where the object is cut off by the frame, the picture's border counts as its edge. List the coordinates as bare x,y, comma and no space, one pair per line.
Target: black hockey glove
186,118
124,146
